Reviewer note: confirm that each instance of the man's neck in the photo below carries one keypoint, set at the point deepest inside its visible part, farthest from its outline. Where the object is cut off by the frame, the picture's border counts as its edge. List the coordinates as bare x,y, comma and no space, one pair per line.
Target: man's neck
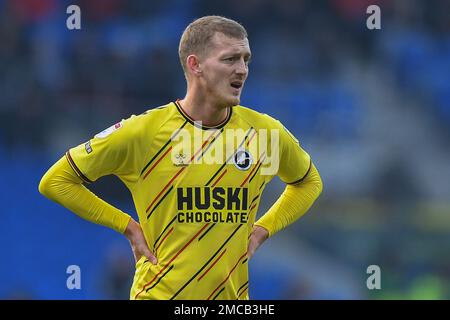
205,111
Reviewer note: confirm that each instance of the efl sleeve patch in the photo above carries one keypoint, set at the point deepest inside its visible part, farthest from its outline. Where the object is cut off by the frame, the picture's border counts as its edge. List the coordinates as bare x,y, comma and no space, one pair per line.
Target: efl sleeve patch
109,130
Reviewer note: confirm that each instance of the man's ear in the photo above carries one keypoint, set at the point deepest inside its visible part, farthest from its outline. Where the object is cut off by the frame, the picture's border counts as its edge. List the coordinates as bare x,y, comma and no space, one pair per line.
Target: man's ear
193,64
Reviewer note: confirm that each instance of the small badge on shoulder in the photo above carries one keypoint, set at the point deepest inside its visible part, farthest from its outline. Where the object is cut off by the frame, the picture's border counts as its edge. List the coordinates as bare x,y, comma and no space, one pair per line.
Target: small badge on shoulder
88,147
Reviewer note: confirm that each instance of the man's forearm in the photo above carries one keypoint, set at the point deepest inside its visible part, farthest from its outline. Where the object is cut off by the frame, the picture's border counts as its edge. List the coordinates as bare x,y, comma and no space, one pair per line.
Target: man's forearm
293,203
62,185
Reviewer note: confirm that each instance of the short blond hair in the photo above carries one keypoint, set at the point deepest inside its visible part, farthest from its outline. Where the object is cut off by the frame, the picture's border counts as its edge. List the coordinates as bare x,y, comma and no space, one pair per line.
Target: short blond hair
198,34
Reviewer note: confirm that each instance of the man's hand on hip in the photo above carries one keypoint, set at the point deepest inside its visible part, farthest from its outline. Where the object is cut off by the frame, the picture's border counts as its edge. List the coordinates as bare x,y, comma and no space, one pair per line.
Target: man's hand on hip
134,234
258,236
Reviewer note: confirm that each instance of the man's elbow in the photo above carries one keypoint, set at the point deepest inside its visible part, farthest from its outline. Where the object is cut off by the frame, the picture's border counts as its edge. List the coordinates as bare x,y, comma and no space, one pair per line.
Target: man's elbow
54,182
44,186
319,185
50,184
316,181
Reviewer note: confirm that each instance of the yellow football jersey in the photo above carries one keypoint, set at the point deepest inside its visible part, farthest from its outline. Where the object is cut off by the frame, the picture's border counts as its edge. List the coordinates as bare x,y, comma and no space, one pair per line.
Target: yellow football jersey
196,191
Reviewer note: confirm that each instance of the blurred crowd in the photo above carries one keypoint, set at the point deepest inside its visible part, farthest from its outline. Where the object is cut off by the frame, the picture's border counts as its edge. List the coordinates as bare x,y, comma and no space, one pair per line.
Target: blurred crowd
371,106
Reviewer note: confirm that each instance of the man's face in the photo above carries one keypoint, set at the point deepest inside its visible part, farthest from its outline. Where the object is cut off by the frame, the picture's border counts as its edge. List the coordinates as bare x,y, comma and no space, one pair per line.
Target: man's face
224,69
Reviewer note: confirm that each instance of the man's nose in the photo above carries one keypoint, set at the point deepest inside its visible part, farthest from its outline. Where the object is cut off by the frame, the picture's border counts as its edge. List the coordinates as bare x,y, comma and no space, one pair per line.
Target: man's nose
242,68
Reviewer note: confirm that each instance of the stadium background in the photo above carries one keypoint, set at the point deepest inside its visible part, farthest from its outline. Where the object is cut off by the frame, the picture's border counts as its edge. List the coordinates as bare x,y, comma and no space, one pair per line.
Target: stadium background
372,108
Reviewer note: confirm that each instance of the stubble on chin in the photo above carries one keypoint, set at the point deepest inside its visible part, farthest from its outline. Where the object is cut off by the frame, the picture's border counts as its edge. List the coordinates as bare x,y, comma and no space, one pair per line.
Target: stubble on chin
226,103
233,101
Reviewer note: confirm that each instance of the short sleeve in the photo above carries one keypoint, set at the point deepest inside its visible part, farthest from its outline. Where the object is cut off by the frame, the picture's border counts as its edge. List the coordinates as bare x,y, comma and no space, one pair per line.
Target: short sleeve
295,162
108,152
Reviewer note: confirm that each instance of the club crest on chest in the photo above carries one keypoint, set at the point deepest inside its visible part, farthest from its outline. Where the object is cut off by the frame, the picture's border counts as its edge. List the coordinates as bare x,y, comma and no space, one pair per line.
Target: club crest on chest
243,160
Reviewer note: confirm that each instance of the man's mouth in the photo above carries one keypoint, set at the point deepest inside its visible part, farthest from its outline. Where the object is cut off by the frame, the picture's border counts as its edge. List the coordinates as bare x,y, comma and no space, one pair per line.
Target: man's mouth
236,84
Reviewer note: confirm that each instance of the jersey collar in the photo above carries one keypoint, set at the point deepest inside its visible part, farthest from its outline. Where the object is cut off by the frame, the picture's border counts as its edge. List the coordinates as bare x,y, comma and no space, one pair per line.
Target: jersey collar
193,122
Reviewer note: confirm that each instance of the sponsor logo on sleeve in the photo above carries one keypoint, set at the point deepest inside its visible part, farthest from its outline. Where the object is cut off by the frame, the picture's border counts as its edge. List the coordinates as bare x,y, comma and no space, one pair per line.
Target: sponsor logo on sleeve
109,130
